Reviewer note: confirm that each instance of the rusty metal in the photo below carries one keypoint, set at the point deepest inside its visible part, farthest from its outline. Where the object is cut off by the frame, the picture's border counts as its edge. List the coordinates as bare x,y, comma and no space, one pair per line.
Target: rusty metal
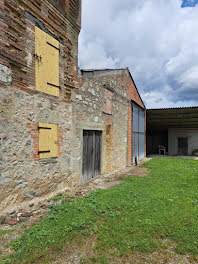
36,56
48,128
44,151
51,84
53,46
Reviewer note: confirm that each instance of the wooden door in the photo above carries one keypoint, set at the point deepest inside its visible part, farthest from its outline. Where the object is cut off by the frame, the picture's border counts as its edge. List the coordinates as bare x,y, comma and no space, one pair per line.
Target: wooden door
183,146
91,154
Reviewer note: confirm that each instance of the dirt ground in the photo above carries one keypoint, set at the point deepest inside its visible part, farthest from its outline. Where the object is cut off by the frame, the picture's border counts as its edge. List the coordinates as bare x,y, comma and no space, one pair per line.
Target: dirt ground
110,180
81,252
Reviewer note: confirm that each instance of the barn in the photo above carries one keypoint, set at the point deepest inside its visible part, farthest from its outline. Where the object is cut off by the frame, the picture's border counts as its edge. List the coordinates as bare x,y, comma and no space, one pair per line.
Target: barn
109,122
172,131
59,128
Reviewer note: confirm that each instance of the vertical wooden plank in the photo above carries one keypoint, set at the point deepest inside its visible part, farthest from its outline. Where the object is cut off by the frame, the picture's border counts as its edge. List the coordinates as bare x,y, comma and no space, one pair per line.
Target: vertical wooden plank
48,140
91,154
53,143
85,156
98,153
46,62
52,65
40,73
95,153
88,156
44,138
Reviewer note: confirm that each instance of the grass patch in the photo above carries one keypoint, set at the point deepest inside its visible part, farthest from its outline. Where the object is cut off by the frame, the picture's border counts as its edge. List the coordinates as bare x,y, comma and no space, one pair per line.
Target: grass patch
5,232
61,197
134,216
57,198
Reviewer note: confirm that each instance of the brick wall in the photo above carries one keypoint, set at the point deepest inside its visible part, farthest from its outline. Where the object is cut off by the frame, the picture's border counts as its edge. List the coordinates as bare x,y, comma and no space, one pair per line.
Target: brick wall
17,35
135,97
133,93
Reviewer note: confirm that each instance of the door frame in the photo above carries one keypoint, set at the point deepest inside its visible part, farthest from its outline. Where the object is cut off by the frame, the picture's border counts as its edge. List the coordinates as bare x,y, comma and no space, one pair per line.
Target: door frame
91,146
85,125
138,133
187,138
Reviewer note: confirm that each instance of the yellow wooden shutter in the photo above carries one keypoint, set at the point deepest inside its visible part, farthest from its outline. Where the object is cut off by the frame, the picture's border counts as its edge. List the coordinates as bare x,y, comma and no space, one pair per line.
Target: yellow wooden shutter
48,140
46,63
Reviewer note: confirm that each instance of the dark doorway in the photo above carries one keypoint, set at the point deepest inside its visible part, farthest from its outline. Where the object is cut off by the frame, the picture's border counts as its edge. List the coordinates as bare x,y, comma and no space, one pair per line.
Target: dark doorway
183,146
156,138
91,154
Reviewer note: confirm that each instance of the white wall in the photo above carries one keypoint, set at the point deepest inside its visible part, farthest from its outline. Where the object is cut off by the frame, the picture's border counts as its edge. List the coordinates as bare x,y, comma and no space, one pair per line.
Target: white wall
173,135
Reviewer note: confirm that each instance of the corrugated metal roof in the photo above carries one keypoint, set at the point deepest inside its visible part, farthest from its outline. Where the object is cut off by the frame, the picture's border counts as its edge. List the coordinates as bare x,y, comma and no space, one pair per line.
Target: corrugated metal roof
169,108
177,117
105,69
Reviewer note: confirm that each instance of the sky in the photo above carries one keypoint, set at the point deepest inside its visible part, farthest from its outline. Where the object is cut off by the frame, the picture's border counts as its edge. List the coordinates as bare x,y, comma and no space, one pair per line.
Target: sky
156,39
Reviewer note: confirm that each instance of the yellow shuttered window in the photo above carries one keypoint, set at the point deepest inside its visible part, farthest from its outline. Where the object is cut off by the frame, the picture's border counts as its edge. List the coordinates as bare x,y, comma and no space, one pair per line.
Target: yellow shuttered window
46,63
48,140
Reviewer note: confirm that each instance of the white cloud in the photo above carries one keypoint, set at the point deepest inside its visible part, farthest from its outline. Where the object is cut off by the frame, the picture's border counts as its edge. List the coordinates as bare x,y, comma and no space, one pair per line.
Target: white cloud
158,40
189,78
94,54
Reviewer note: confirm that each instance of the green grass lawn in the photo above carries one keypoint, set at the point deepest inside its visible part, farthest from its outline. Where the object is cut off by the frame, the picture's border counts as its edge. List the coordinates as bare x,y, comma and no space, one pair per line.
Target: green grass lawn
135,216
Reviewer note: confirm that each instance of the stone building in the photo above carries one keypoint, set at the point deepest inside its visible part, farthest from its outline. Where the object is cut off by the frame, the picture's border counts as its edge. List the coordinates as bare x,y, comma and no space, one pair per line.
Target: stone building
109,122
58,129
38,71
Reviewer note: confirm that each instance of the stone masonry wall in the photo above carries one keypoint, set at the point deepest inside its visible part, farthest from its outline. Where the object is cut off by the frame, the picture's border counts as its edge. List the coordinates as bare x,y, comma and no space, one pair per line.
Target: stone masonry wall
89,112
24,177
98,100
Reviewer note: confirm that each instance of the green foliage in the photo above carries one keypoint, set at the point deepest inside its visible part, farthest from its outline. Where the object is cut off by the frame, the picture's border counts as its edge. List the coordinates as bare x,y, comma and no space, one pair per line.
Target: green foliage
61,197
133,216
4,232
56,198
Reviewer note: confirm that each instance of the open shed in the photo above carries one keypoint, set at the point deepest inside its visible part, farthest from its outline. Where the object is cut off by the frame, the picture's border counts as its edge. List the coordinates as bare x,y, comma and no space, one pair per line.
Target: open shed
173,129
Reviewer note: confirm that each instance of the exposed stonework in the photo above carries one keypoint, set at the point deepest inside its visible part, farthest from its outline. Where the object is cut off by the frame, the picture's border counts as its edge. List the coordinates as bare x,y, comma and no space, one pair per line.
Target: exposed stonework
5,74
100,101
23,176
92,113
